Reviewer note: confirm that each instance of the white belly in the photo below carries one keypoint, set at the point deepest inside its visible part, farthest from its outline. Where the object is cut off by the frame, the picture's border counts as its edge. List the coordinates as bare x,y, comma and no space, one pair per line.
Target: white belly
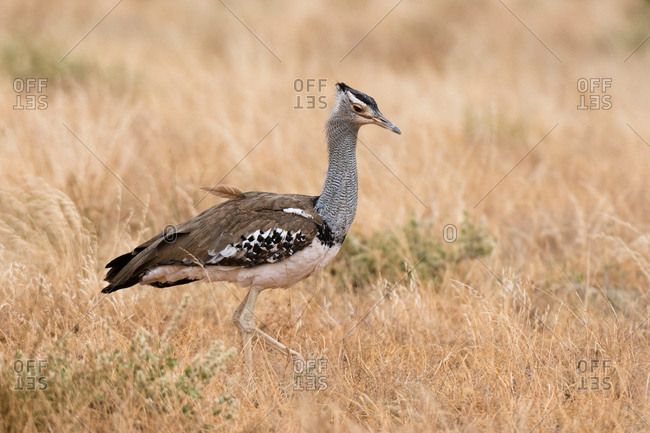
285,273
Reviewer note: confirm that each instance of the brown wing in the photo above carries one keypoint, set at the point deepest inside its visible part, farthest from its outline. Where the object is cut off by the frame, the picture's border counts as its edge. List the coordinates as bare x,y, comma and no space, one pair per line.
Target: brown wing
252,229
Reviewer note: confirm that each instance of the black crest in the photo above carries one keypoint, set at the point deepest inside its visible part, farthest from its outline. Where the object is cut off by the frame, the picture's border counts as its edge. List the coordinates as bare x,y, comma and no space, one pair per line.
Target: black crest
359,95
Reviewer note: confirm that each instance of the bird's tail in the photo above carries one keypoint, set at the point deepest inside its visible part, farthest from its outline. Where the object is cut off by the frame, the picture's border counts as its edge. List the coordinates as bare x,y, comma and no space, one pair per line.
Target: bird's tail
114,267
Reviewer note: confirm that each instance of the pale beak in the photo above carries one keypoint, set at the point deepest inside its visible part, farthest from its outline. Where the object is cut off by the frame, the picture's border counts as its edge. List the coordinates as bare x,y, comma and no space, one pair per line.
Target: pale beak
380,120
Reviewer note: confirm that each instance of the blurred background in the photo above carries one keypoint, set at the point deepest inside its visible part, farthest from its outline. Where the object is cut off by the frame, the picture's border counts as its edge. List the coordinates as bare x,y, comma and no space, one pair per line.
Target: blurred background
528,119
169,97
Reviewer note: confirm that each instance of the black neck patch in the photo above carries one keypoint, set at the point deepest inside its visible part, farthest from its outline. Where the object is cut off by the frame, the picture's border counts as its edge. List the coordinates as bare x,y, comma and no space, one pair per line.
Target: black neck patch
326,237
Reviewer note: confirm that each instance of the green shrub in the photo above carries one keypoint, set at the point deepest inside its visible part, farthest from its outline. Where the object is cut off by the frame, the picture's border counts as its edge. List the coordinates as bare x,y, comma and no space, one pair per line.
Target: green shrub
24,58
391,254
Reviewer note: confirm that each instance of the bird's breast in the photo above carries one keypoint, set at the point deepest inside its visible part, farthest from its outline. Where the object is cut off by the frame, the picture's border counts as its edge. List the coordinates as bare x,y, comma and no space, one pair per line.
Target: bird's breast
291,270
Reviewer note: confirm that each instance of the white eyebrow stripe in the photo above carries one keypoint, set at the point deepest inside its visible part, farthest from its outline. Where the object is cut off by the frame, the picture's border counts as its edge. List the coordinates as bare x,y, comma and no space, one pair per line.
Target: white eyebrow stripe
296,211
355,99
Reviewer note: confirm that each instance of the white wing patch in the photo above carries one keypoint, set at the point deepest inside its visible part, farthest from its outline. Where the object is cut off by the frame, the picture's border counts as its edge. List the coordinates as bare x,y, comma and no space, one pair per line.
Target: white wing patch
297,211
228,251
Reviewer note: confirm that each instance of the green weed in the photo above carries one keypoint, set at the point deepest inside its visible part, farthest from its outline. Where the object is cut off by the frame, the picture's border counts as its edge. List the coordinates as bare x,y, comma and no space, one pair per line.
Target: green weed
391,254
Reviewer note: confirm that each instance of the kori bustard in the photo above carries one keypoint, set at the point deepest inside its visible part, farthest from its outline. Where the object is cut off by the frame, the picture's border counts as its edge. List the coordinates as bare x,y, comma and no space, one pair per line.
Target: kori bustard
261,240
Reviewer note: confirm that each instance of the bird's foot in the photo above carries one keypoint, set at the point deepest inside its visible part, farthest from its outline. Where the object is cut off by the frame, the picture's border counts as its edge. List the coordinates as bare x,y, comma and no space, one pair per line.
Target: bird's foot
279,346
296,356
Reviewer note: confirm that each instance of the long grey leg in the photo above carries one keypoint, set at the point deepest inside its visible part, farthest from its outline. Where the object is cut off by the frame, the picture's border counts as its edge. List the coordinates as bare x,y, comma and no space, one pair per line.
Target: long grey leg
244,319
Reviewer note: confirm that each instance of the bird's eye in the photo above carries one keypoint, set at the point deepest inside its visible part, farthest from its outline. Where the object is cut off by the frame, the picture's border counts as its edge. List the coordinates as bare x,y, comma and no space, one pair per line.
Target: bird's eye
357,108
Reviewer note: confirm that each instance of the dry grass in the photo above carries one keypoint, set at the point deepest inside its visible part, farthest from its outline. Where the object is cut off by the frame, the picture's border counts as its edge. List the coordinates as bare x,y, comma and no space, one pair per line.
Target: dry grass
170,96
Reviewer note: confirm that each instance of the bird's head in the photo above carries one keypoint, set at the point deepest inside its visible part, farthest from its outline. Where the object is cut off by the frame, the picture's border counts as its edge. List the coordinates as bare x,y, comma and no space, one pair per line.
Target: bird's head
360,108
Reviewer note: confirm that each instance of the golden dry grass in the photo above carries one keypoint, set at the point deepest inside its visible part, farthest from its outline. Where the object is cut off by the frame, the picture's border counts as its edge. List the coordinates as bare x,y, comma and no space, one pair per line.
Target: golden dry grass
170,96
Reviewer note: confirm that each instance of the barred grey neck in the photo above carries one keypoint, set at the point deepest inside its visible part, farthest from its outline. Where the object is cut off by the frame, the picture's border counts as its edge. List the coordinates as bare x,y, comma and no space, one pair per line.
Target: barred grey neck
337,204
